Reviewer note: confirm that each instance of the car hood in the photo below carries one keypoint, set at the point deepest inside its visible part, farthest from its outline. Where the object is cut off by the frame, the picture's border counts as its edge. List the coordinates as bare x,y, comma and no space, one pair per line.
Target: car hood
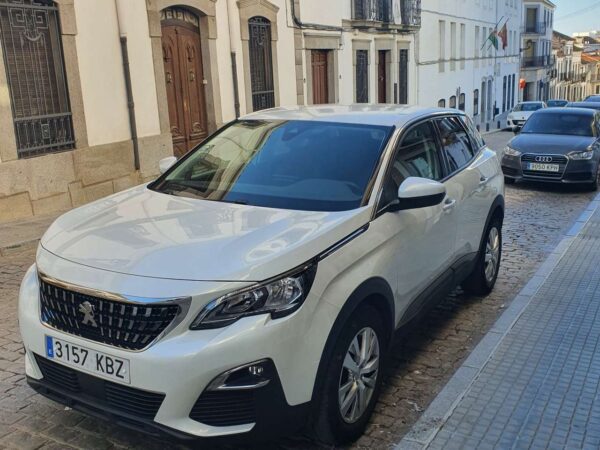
146,233
520,115
550,143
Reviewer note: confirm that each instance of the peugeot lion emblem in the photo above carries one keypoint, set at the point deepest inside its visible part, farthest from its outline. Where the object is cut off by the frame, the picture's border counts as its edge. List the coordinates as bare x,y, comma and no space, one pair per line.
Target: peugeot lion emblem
544,159
88,314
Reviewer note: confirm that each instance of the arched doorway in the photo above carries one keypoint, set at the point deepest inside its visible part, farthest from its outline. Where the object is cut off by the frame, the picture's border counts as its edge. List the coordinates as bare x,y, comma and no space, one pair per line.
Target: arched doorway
184,78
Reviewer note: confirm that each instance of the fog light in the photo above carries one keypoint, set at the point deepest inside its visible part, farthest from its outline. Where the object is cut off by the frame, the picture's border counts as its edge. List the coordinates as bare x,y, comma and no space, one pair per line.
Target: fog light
249,376
256,370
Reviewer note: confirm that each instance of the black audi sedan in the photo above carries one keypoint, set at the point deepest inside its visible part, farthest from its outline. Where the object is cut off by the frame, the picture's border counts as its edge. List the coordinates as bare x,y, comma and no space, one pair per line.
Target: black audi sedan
558,145
586,105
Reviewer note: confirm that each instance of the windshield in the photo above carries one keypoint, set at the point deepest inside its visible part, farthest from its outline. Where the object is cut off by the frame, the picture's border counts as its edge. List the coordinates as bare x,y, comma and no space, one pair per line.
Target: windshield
553,123
302,165
557,102
528,107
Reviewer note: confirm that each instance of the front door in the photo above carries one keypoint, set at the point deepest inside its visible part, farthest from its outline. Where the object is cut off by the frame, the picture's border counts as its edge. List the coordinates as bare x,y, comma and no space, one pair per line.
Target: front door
420,241
184,76
382,77
319,76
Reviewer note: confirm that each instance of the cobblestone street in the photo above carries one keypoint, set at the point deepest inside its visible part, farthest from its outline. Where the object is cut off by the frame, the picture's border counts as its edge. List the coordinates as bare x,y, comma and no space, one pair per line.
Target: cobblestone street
422,361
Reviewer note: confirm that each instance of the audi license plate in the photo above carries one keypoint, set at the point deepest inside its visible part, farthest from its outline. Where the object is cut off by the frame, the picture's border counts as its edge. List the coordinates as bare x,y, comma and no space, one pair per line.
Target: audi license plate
88,360
541,167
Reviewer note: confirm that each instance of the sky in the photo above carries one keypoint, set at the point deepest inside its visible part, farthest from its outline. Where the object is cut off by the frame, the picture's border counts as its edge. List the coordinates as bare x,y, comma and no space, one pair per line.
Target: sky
576,15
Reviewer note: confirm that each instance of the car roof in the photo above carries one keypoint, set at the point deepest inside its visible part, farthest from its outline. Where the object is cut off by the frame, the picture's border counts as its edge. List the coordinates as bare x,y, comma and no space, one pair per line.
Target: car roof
588,105
588,111
367,114
530,102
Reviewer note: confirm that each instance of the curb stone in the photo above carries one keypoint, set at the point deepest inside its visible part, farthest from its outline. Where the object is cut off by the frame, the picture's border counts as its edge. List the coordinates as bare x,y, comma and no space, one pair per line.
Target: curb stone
432,420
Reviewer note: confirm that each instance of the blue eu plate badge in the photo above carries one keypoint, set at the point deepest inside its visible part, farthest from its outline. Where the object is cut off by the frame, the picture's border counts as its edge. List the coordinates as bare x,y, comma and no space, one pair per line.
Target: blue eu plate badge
49,347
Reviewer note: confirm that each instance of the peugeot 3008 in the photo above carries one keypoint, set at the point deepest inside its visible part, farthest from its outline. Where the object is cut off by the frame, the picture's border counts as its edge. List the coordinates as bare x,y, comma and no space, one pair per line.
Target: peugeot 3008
254,287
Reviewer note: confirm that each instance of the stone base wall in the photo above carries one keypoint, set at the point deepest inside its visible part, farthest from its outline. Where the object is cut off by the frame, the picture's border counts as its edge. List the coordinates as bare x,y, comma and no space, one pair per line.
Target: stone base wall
58,182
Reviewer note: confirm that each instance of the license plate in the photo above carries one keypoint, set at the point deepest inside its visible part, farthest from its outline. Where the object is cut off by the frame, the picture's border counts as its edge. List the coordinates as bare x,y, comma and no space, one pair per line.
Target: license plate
88,360
544,167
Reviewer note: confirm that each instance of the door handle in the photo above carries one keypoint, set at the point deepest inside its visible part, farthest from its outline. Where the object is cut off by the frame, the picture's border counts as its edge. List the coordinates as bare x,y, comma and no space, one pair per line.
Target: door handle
449,205
482,184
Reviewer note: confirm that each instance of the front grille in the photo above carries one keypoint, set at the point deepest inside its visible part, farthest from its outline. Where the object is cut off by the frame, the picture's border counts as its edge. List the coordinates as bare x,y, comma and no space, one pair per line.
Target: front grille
225,408
125,325
135,402
551,159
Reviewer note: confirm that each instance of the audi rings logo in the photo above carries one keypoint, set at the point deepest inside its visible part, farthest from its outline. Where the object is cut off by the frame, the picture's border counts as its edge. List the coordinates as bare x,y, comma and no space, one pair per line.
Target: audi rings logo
543,159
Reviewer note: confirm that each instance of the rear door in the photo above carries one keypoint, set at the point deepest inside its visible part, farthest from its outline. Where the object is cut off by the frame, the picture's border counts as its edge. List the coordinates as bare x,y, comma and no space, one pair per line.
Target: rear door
471,171
421,241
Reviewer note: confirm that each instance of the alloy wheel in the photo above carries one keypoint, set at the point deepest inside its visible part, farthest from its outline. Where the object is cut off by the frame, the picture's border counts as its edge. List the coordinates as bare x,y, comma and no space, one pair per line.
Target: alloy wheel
492,254
359,374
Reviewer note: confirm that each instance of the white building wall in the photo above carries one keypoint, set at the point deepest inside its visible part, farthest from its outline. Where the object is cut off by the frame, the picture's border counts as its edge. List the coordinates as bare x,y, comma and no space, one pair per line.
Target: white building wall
103,91
442,76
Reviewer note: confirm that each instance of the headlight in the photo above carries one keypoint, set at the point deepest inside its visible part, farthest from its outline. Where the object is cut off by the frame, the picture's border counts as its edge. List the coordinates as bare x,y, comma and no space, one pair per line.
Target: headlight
578,156
278,297
508,151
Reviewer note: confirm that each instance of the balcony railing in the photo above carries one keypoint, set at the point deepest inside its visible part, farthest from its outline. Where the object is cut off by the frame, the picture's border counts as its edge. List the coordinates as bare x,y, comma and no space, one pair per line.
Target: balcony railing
535,28
530,62
386,12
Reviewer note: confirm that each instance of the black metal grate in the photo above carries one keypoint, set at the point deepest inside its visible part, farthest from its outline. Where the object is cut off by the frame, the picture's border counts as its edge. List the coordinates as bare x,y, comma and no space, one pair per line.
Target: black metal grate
30,38
403,77
261,64
362,76
124,325
136,402
225,408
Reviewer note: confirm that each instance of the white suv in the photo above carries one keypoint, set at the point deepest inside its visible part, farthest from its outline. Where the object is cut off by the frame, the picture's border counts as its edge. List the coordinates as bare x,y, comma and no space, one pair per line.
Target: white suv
255,286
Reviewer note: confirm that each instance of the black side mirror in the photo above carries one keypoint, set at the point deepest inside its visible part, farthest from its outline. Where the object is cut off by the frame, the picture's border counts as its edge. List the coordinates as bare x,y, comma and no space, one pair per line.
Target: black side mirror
416,193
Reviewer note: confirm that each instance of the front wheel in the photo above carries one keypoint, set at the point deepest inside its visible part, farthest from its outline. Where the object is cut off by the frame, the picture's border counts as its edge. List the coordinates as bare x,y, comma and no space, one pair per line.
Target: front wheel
352,379
484,276
593,186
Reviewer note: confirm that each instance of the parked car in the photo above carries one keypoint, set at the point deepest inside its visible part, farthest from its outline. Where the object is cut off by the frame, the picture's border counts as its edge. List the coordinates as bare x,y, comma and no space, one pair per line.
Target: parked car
558,145
255,286
587,105
592,98
521,112
556,103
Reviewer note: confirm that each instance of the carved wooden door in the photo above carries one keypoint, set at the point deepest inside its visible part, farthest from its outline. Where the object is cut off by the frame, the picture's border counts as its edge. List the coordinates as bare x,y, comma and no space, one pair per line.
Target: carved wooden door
184,77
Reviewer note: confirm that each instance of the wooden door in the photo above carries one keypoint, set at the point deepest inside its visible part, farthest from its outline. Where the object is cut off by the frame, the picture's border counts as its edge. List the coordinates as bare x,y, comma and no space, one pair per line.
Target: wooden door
382,77
320,77
184,77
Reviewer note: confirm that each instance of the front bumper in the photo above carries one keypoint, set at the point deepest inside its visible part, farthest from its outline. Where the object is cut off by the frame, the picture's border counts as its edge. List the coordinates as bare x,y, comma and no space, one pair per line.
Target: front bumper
272,415
183,363
570,172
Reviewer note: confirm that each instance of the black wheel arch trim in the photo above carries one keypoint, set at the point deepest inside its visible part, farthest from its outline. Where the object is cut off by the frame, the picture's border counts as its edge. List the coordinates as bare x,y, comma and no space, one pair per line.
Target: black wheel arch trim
497,204
371,288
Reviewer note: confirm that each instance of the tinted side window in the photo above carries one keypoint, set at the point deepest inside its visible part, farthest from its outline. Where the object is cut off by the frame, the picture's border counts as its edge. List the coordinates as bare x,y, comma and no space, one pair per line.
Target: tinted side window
417,156
455,142
476,138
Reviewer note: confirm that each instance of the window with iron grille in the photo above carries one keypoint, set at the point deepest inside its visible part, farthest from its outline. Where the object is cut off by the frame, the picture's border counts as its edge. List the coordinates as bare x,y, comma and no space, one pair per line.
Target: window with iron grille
376,10
442,103
261,64
362,76
475,102
403,77
452,102
33,57
462,99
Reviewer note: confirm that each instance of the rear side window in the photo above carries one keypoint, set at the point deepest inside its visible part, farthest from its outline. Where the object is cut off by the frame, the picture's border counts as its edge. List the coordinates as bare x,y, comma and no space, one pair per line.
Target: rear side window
417,156
456,143
476,138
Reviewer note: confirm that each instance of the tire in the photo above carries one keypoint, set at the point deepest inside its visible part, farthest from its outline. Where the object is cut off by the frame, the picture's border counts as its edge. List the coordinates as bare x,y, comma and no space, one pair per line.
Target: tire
329,425
509,180
593,186
482,279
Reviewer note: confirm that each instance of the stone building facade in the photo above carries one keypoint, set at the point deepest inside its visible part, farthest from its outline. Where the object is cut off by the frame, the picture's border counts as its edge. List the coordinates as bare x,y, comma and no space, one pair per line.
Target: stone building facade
94,94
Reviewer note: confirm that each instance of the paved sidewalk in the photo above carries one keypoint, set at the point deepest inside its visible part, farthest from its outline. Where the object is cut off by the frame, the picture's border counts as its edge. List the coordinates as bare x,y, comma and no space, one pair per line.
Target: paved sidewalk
534,380
23,234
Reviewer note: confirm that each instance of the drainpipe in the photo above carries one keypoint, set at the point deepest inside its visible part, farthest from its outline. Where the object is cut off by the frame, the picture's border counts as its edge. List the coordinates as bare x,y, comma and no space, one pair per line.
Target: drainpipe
232,48
119,4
